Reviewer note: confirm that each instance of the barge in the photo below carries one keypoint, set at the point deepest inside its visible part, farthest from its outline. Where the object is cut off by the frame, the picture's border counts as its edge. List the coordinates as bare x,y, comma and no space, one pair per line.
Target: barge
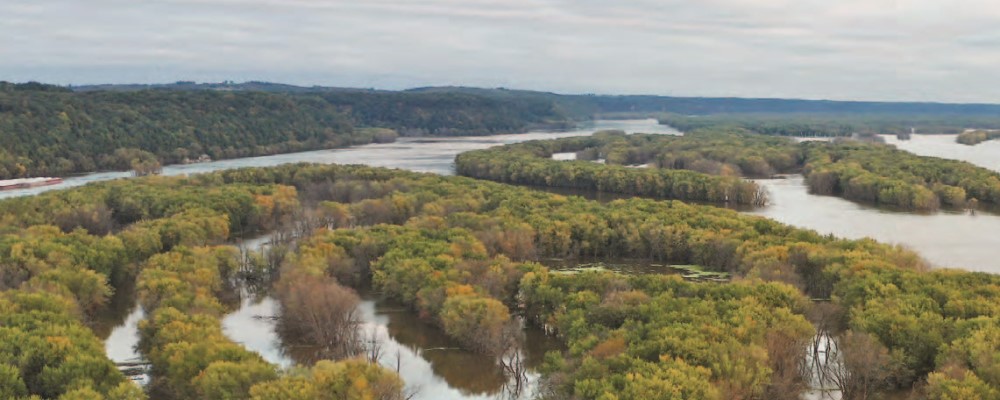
24,183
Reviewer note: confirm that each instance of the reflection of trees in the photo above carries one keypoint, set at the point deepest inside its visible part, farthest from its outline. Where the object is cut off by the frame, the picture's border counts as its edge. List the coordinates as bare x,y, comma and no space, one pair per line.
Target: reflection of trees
860,367
503,376
471,373
825,317
116,312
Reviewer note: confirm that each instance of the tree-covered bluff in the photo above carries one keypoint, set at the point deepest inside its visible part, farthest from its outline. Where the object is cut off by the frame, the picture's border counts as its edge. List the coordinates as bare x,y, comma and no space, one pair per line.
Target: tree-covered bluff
49,130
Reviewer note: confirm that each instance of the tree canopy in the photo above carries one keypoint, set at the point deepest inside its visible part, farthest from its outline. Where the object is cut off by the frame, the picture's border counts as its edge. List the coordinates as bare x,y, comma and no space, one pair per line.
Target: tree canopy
466,255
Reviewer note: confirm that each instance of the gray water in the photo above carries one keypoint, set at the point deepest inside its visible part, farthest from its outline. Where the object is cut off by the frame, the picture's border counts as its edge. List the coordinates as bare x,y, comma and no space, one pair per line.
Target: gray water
954,239
986,154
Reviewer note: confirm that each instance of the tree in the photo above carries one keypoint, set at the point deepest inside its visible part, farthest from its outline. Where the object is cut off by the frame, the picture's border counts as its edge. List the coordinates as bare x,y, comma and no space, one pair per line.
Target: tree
863,368
477,321
320,312
226,380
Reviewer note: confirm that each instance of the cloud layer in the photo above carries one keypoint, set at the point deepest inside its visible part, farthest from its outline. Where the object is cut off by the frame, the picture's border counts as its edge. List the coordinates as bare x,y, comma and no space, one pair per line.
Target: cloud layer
849,49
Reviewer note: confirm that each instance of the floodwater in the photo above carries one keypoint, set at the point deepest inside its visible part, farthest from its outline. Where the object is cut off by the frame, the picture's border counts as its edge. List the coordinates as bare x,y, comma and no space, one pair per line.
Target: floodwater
432,364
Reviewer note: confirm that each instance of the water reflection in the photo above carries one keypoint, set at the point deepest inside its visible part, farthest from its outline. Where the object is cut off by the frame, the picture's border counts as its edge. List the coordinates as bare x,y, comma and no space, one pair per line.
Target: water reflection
429,362
118,325
253,326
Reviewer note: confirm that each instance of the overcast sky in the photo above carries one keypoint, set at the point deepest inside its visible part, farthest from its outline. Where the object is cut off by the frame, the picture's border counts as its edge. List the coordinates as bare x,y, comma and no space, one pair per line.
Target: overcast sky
932,50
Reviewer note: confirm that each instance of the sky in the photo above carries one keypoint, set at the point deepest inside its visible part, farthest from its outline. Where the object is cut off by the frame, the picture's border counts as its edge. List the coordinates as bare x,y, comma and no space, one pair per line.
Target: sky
897,50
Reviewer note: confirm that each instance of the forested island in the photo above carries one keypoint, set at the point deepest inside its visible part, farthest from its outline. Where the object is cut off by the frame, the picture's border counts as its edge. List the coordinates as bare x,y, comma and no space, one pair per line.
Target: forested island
972,138
463,254
706,165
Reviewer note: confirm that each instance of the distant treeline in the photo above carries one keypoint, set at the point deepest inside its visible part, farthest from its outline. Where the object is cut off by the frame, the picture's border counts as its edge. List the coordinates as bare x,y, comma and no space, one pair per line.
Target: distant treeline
831,125
714,159
447,114
645,105
587,105
49,130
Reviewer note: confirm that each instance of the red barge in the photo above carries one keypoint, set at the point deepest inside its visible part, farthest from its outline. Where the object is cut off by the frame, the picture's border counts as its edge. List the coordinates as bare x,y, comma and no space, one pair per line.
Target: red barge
24,183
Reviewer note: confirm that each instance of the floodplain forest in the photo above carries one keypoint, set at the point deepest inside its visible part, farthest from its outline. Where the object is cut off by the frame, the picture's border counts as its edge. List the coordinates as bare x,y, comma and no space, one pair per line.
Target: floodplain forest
463,254
707,165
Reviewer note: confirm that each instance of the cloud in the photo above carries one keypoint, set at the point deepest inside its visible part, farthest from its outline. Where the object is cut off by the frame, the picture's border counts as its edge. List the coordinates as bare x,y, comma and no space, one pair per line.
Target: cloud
850,49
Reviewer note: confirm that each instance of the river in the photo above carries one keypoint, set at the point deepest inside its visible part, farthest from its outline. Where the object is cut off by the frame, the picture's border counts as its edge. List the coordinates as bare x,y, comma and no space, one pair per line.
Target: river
436,155
954,239
985,154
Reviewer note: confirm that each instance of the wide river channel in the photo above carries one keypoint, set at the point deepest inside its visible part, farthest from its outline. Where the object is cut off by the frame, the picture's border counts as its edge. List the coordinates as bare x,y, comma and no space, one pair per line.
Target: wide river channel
431,363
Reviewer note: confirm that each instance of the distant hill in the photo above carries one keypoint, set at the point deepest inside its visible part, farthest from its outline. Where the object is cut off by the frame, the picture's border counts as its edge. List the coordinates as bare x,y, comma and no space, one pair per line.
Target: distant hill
584,105
52,130
252,86
725,105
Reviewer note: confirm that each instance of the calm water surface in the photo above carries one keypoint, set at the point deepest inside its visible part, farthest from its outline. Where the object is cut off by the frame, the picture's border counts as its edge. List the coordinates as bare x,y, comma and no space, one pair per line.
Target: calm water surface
986,154
431,364
954,239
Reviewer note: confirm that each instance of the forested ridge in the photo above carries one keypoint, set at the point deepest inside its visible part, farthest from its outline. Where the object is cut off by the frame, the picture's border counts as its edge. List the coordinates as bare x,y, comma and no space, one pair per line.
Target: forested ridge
462,253
49,130
587,105
448,114
706,165
835,124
